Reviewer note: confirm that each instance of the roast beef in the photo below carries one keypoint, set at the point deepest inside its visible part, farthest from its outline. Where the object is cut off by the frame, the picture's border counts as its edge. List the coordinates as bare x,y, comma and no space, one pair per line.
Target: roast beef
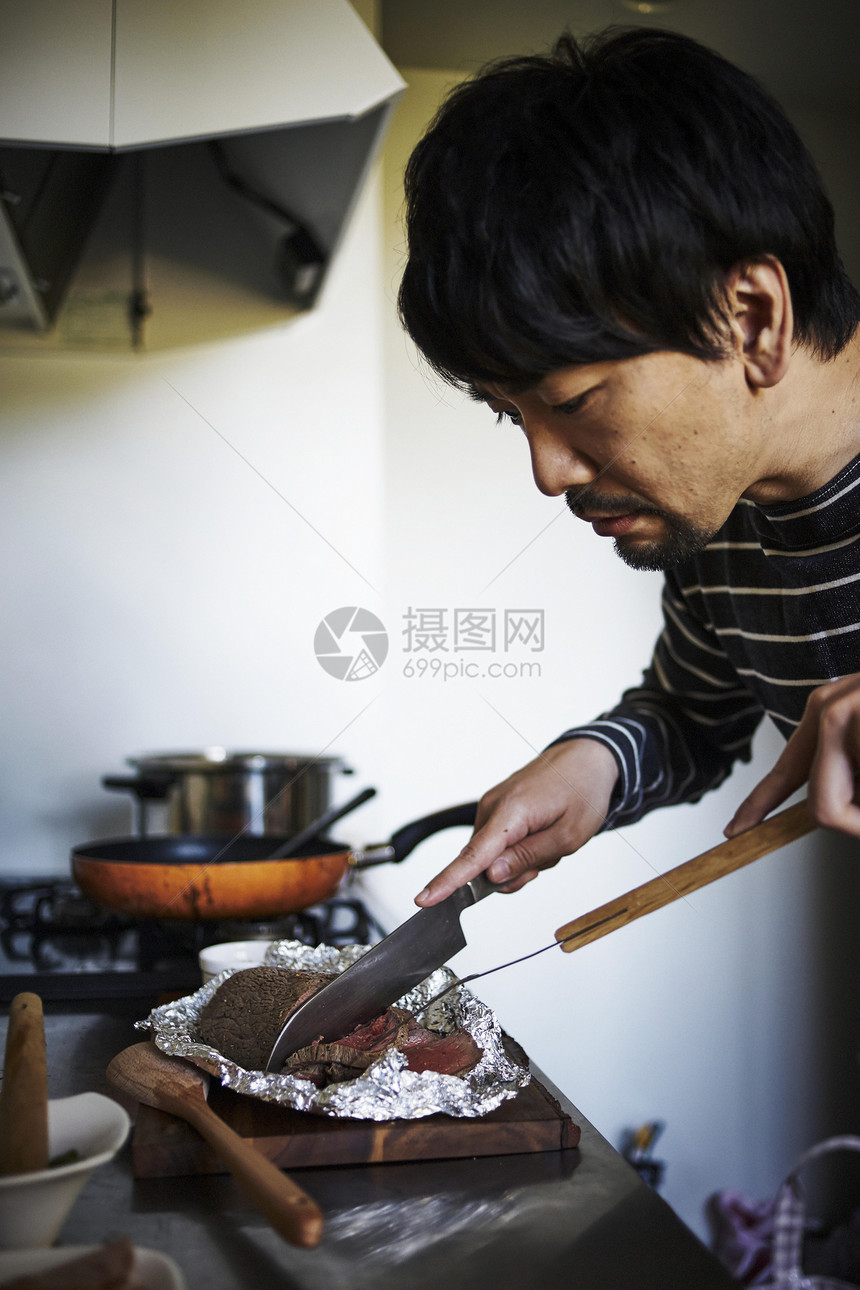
246,1014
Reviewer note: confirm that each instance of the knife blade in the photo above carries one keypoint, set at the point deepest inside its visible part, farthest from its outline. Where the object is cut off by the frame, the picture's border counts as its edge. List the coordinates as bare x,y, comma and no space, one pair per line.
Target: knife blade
382,976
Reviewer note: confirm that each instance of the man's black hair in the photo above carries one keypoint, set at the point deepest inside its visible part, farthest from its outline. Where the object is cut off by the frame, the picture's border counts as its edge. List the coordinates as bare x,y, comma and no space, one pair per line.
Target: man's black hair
587,204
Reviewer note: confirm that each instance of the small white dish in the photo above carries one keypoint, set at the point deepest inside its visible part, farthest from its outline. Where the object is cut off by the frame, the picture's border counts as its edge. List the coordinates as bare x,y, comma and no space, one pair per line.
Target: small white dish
152,1270
234,955
34,1206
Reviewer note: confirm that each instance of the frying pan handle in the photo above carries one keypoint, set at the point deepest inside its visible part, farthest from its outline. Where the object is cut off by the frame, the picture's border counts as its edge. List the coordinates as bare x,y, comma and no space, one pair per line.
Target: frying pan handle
406,839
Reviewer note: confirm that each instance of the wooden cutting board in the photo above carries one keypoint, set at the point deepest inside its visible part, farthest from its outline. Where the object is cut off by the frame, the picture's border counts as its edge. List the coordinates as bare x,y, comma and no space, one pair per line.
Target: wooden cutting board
163,1146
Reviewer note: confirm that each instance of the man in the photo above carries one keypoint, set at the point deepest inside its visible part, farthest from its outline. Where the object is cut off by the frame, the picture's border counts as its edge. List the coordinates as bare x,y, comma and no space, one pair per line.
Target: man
624,249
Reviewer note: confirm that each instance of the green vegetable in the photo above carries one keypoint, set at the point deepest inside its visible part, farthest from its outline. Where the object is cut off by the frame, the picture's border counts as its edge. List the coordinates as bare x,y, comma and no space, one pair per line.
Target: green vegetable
70,1157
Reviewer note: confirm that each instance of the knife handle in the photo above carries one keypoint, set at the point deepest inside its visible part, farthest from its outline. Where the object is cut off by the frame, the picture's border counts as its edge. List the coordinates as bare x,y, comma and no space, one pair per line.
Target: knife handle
720,860
479,887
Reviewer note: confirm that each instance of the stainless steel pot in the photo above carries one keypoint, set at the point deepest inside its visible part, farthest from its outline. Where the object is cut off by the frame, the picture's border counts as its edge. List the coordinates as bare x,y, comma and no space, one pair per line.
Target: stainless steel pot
219,792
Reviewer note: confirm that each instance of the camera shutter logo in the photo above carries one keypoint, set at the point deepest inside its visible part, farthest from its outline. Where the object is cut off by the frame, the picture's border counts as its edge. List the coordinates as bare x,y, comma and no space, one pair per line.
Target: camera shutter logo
351,643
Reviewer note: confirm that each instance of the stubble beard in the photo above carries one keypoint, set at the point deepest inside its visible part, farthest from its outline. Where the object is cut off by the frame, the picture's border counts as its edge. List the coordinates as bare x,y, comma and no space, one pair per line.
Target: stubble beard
682,541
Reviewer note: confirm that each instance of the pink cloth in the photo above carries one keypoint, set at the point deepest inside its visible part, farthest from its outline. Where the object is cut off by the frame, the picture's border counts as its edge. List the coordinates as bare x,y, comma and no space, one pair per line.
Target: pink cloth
762,1242
743,1235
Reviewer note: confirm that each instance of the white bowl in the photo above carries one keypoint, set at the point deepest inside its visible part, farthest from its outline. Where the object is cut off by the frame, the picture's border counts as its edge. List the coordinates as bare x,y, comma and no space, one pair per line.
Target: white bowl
34,1206
233,955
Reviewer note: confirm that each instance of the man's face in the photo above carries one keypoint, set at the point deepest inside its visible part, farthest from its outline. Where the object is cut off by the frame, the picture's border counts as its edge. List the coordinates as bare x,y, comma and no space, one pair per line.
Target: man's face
652,451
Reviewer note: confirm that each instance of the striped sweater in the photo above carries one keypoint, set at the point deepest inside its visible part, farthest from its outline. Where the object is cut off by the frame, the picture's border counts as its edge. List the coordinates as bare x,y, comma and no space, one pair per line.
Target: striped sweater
767,612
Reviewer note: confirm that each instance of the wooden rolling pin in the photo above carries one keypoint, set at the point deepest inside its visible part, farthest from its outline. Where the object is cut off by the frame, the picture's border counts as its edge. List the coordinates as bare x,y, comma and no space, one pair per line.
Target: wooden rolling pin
724,858
24,1095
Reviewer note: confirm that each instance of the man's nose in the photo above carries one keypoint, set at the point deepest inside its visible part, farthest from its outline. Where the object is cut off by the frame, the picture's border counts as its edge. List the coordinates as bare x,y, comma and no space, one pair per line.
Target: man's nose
557,465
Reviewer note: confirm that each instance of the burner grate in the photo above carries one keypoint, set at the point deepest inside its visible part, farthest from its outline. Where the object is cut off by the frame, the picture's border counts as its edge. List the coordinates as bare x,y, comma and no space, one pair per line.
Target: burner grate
64,946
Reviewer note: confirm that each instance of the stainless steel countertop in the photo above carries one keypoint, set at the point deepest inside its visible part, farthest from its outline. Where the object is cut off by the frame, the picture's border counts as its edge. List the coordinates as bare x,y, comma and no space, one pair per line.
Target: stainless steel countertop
579,1218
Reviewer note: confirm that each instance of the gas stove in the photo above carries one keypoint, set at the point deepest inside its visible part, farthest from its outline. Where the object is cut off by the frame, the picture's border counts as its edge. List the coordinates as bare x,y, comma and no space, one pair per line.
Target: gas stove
56,942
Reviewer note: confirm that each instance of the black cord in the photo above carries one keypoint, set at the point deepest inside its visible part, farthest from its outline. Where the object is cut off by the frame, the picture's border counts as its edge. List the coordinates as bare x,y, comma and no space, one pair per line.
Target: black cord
265,203
139,307
301,259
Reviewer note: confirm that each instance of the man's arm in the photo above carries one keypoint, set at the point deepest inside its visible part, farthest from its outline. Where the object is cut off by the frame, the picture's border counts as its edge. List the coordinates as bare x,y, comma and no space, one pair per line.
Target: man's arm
670,740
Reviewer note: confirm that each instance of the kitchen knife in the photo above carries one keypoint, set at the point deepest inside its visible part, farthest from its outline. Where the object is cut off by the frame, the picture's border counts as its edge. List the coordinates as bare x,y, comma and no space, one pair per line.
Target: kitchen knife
382,976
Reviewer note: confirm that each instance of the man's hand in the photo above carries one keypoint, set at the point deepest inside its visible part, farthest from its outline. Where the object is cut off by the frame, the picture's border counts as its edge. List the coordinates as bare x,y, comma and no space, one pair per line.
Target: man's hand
825,750
527,823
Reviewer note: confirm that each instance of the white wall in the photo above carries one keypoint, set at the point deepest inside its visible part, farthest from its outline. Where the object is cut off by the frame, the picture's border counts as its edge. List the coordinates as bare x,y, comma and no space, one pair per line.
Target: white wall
158,591
712,1015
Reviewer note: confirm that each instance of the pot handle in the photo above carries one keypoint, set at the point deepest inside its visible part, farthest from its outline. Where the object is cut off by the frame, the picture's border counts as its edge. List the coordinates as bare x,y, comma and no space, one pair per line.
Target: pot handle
149,787
406,839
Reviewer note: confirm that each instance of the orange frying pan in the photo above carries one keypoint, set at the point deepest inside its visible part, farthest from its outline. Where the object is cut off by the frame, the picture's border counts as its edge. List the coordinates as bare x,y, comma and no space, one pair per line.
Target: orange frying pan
203,878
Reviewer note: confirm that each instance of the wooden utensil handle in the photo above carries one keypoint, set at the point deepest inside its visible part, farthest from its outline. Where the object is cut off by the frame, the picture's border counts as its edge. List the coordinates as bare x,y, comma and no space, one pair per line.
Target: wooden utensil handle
289,1209
724,858
24,1096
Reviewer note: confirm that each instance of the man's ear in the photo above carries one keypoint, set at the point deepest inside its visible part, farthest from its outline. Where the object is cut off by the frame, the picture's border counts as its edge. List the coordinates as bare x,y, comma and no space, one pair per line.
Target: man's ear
762,319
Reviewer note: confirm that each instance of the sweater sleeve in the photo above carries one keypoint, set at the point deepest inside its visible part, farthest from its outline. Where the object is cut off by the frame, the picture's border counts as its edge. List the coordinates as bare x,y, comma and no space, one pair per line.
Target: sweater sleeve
678,734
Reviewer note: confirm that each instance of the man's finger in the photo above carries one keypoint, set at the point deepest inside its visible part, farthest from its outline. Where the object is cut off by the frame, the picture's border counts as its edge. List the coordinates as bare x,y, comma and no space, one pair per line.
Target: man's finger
833,786
517,884
753,809
485,846
789,772
768,794
536,852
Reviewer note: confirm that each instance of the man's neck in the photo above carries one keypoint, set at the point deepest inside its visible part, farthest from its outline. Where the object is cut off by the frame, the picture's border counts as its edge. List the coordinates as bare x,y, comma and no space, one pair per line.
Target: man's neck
812,419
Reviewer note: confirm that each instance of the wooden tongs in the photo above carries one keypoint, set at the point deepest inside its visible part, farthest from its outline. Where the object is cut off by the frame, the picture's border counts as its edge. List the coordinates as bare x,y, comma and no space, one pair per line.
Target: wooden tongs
720,860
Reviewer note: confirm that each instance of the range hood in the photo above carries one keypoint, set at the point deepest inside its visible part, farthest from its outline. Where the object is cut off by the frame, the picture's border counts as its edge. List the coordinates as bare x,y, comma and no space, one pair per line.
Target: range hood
172,169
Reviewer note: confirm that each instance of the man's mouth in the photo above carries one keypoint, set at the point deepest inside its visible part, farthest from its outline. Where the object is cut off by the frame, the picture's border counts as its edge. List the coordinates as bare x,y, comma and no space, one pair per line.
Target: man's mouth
613,517
657,543
613,526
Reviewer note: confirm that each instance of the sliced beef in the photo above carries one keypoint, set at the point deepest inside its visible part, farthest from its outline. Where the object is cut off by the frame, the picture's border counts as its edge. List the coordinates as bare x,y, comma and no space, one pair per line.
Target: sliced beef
454,1054
326,1063
425,1050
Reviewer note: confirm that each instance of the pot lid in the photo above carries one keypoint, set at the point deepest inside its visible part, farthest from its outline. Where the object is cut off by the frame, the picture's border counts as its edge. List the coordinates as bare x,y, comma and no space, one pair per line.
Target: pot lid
217,760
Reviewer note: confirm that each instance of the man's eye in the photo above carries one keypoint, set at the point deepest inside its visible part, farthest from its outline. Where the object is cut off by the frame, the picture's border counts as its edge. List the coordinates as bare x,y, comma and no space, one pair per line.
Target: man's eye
509,414
574,405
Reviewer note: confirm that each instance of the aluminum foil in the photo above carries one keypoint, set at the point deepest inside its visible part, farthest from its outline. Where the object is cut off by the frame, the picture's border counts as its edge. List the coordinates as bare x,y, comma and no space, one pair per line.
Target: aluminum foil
387,1090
